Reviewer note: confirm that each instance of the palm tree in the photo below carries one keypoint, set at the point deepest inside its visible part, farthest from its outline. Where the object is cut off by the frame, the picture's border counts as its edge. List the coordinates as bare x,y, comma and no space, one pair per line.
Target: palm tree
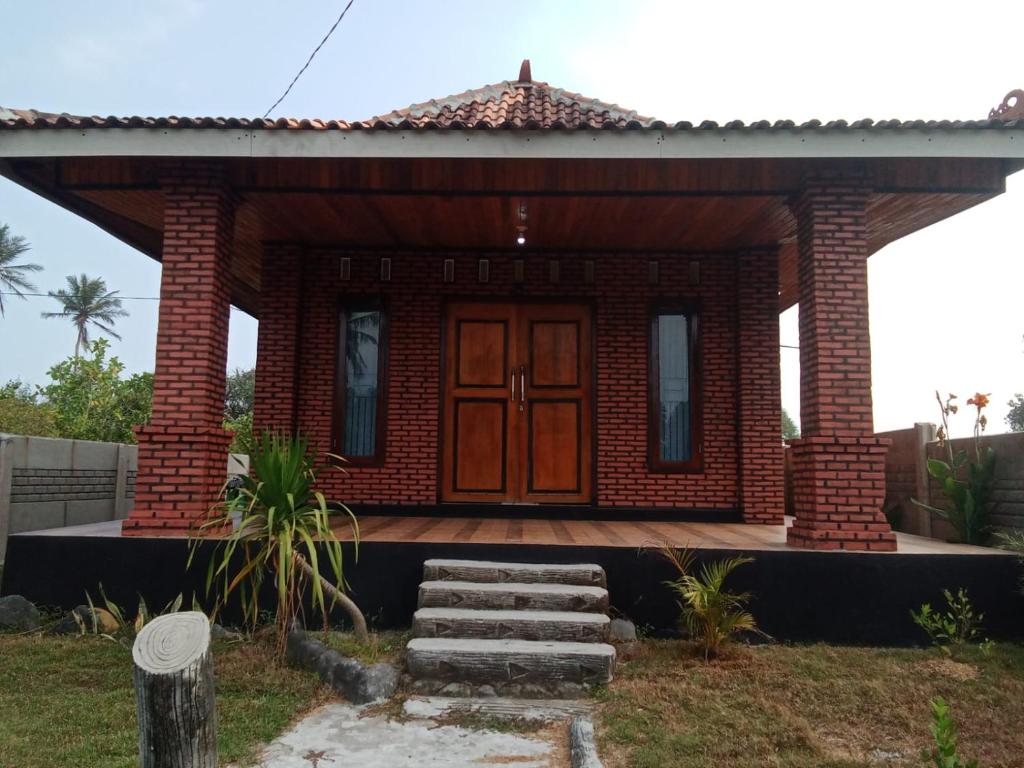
12,276
88,302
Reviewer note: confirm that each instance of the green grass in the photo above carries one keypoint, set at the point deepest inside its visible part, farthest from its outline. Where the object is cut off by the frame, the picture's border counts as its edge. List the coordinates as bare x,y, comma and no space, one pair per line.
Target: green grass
807,706
384,646
69,701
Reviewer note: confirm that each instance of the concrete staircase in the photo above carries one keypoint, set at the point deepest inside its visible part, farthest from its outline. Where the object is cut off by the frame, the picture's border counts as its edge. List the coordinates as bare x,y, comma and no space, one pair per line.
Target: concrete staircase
510,629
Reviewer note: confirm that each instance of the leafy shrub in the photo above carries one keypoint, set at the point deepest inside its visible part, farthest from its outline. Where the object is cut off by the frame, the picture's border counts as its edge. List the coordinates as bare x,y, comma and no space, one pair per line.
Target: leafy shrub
710,614
956,627
281,521
970,498
21,413
944,754
126,628
91,401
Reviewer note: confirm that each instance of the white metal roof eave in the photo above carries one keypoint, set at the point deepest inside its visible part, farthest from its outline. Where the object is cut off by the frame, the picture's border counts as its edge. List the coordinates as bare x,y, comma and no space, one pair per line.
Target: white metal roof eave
496,144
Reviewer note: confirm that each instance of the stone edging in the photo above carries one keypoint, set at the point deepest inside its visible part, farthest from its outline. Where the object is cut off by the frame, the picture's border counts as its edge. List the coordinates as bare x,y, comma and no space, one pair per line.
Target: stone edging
582,746
357,682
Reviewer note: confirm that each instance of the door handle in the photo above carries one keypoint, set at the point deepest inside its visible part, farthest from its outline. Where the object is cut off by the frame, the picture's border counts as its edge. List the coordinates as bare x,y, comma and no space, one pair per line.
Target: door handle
513,383
522,383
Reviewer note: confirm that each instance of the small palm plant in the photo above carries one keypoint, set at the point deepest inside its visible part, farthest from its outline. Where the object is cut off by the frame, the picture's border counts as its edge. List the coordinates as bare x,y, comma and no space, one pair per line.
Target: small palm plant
710,613
282,525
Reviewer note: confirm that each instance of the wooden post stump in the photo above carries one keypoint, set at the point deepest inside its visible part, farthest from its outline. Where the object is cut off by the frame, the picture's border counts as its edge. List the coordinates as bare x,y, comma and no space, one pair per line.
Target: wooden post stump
174,693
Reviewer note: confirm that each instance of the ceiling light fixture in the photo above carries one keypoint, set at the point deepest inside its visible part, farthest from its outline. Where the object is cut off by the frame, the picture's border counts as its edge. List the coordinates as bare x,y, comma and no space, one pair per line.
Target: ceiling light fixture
521,226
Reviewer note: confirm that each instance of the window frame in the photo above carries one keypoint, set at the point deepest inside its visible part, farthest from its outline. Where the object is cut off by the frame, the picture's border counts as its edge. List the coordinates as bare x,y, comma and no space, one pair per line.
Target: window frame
345,307
695,463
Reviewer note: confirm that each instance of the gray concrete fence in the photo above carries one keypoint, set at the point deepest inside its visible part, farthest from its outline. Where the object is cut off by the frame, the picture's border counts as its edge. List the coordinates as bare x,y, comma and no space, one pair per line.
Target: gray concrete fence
54,483
907,478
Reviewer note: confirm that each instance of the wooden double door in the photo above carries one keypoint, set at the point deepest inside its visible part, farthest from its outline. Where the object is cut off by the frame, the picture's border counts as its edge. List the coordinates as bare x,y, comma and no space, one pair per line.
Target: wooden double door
518,403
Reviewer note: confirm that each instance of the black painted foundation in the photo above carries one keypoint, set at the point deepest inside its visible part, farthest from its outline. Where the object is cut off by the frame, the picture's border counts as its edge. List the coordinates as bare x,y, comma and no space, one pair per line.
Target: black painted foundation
838,597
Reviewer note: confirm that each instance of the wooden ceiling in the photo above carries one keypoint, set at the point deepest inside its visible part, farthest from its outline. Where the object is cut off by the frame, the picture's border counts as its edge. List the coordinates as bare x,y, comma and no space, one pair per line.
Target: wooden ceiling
472,205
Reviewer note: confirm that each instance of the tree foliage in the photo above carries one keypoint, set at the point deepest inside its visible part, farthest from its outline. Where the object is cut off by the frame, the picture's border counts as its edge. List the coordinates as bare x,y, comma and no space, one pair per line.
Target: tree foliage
21,413
1015,418
91,400
87,302
14,277
239,391
789,428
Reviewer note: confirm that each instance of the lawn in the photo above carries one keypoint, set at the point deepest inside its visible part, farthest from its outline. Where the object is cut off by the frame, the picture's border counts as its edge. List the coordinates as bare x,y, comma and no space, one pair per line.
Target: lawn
802,706
69,701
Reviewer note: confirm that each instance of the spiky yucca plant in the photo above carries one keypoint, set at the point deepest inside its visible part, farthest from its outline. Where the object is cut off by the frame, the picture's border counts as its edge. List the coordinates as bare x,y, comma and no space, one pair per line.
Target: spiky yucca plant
709,613
282,522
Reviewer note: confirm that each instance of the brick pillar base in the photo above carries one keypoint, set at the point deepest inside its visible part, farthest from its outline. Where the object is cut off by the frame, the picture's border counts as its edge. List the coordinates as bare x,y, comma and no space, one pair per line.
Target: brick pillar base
185,469
838,489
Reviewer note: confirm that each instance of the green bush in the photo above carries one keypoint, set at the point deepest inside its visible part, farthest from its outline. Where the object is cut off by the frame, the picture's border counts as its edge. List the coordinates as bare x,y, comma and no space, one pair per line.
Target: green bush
958,626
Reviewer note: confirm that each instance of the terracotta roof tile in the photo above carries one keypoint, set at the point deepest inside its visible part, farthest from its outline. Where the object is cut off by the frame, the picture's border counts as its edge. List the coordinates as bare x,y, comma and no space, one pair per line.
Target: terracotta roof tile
518,104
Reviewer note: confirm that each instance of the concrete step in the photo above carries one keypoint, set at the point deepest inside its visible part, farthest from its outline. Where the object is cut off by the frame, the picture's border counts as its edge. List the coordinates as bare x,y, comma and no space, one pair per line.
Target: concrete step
583,574
504,661
507,625
513,596
500,707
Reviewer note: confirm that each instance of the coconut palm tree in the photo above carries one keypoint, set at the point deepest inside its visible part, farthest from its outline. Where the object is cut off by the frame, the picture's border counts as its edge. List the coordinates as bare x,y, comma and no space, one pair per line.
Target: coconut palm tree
12,276
87,302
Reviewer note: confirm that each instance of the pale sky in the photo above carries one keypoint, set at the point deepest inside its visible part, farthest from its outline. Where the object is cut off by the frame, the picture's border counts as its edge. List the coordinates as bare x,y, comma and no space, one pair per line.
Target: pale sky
945,302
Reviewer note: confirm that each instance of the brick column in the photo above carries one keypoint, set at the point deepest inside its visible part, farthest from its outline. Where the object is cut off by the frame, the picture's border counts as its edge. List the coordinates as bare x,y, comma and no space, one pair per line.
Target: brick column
277,358
183,450
761,469
838,464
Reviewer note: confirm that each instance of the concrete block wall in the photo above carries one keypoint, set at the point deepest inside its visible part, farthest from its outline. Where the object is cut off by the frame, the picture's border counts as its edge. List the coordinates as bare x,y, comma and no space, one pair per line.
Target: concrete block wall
53,483
906,478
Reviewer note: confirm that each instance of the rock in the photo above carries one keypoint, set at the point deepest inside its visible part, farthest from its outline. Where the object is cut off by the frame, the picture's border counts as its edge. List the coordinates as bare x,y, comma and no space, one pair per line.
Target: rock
622,631
378,682
486,691
426,687
357,682
18,614
457,689
582,744
84,623
302,652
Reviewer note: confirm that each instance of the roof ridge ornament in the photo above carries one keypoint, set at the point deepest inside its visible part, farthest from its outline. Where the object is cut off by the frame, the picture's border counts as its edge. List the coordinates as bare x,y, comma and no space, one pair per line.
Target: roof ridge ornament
1008,111
524,72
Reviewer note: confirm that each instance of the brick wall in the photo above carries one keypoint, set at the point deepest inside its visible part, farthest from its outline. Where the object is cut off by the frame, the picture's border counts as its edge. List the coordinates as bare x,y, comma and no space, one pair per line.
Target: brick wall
760,409
621,293
277,347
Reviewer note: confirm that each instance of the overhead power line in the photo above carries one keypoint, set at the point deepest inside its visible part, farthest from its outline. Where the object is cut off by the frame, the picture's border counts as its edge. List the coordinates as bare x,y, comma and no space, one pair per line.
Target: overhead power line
48,296
310,59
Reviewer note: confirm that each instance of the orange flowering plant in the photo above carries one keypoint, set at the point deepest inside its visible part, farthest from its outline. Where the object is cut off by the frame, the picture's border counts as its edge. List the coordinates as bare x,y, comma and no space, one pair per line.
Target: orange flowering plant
967,484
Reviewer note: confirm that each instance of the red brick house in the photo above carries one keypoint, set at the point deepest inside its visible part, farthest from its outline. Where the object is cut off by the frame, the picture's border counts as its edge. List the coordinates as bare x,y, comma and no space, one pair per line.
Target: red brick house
520,295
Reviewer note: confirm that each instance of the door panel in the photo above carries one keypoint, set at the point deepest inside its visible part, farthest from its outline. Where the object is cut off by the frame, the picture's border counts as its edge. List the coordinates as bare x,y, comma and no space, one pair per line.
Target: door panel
483,352
554,354
554,447
481,441
518,405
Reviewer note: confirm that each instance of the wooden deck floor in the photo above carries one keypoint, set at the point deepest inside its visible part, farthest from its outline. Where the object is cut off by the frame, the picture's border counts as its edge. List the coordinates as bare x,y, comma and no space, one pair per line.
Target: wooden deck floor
580,533
607,533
